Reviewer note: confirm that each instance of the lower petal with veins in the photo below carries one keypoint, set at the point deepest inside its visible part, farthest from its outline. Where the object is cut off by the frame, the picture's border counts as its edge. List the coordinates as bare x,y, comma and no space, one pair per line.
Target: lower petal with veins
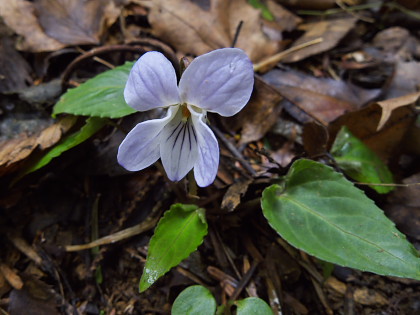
178,147
141,146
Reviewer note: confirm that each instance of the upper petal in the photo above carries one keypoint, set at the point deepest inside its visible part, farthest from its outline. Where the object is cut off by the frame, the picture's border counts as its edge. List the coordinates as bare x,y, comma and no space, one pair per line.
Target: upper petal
220,81
207,163
152,83
141,146
178,147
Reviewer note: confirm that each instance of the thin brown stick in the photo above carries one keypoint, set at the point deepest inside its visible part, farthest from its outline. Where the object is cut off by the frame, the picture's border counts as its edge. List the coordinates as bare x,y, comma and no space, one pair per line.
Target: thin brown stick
116,237
273,60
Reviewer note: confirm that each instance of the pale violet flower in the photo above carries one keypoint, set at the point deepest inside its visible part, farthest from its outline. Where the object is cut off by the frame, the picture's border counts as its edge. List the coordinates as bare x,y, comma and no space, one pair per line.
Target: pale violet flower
220,81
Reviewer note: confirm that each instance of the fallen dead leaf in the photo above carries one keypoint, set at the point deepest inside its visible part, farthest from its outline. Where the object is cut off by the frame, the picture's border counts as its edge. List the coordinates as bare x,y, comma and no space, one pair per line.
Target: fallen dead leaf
233,195
315,138
35,296
19,16
75,22
406,79
11,276
14,151
192,29
284,19
259,115
321,107
331,32
338,89
391,104
363,124
14,69
366,296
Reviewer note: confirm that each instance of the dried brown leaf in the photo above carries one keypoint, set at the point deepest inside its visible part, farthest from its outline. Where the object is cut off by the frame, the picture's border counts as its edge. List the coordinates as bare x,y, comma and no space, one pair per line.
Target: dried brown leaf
194,30
74,22
331,32
260,114
233,195
363,124
322,99
19,16
14,69
389,105
315,138
14,151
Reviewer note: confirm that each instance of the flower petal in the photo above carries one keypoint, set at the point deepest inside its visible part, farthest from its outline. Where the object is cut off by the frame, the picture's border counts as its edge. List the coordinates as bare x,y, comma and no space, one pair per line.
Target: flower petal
152,83
140,147
206,166
178,148
220,81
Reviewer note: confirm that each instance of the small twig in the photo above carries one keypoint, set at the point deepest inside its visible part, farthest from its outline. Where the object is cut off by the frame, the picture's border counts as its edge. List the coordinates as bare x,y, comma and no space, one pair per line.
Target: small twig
118,236
341,4
238,30
244,281
273,60
387,184
233,150
94,52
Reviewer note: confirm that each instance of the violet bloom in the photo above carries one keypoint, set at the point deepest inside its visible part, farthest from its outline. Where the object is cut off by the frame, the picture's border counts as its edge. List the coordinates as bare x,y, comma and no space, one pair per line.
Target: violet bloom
220,81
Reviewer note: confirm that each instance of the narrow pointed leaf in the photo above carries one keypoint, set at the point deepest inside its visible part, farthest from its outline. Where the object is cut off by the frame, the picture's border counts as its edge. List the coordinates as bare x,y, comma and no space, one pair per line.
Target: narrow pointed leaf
322,213
177,235
254,306
359,162
101,96
194,300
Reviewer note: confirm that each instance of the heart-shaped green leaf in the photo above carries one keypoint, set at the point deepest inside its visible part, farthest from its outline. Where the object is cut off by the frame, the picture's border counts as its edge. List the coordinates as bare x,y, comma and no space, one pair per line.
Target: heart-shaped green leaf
194,300
319,211
254,306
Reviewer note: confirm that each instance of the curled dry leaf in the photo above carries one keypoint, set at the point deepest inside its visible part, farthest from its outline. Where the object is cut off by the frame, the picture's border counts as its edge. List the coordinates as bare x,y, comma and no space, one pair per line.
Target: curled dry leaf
331,32
19,16
321,99
47,25
233,195
363,124
389,105
192,29
14,151
75,22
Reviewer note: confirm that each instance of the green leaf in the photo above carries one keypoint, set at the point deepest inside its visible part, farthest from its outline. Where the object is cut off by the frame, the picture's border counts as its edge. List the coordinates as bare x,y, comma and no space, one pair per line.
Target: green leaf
359,162
265,11
177,235
322,213
254,306
93,125
194,300
101,96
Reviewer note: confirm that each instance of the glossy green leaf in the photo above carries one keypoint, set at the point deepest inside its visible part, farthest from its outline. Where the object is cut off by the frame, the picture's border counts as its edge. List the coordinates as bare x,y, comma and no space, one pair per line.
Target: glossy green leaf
177,235
319,211
93,125
359,162
254,306
194,300
101,96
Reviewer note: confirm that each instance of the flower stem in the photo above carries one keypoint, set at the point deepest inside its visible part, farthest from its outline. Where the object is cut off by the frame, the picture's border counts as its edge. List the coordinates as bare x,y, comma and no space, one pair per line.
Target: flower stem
192,186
